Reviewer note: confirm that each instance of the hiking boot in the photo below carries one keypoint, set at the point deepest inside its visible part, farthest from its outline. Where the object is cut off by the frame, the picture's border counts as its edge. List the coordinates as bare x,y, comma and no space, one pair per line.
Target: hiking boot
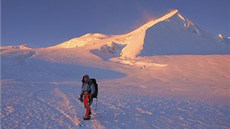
86,117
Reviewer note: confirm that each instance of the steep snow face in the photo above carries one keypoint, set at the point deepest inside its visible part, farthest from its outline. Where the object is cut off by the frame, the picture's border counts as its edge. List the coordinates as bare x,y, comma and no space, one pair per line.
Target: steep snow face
178,35
135,39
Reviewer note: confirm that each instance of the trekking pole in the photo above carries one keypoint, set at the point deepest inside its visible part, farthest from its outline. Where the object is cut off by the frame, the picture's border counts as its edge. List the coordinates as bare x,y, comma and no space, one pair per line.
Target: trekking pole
98,115
96,105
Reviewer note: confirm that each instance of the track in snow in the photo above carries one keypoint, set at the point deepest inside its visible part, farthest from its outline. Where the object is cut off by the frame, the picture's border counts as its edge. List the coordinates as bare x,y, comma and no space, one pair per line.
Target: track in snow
43,105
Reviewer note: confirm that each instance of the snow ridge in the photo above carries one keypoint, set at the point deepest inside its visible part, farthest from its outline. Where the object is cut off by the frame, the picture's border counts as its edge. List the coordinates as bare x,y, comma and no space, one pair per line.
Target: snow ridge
81,41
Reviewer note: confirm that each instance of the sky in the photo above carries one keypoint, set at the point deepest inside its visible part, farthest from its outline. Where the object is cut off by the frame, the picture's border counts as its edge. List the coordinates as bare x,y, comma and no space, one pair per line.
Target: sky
43,23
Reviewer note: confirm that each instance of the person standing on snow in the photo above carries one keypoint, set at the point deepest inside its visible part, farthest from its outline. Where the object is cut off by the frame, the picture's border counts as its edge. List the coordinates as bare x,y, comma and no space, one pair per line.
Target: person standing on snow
87,90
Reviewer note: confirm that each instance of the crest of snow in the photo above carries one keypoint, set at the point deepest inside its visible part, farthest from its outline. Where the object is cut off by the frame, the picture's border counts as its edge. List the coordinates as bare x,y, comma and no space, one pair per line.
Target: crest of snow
20,52
24,46
81,41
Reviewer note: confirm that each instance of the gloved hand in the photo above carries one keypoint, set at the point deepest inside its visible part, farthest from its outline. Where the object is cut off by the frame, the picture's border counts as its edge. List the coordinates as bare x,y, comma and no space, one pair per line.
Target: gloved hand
81,98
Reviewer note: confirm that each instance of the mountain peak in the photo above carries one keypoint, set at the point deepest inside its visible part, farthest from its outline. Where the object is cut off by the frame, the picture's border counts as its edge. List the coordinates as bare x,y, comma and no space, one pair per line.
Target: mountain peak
171,34
136,41
153,22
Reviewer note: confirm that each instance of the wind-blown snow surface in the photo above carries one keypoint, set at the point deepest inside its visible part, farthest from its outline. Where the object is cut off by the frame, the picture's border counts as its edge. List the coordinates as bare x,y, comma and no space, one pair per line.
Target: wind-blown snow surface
40,87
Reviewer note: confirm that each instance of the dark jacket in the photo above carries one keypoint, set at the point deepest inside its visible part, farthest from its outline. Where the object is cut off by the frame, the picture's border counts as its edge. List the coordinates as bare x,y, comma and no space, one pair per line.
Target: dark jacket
87,87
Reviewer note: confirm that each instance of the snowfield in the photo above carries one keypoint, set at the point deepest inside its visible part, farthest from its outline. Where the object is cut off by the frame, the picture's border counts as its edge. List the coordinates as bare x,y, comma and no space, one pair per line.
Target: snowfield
44,105
168,73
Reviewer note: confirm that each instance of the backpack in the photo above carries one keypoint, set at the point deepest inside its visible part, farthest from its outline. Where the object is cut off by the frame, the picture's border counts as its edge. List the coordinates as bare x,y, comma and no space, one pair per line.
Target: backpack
96,87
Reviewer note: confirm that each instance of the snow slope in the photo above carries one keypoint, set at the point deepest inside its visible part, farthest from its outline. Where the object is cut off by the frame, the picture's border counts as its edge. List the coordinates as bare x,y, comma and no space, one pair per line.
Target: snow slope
142,82
174,91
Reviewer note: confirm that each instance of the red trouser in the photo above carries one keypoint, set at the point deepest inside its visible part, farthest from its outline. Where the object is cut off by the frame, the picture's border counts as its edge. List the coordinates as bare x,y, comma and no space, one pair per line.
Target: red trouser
87,103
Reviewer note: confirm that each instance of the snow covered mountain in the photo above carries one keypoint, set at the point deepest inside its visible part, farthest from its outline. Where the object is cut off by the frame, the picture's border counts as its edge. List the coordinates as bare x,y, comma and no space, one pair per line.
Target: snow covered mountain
171,34
168,73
